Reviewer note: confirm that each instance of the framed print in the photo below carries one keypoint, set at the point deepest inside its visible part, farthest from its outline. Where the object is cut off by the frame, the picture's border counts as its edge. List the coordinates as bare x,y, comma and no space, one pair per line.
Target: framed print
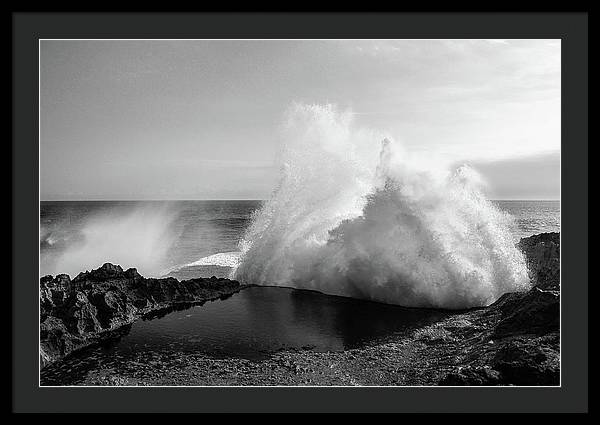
300,212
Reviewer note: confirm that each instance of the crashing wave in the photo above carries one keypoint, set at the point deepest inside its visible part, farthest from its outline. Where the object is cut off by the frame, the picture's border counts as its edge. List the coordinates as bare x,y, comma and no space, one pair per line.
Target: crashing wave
357,217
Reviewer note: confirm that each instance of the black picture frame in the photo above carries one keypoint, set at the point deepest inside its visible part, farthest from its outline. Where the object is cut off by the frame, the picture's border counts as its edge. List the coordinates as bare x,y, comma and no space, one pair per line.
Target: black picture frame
571,28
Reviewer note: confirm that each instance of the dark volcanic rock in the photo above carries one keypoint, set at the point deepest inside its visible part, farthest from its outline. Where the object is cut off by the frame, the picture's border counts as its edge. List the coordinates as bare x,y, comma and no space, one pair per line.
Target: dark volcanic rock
521,341
535,312
96,304
472,376
529,361
538,310
543,259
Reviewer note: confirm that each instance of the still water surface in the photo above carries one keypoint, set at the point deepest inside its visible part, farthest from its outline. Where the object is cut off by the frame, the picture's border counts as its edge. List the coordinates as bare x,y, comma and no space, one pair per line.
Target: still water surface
251,324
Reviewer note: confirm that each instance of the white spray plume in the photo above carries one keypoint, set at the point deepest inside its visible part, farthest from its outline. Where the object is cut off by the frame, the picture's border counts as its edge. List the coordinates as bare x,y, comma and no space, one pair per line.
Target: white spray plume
139,237
354,215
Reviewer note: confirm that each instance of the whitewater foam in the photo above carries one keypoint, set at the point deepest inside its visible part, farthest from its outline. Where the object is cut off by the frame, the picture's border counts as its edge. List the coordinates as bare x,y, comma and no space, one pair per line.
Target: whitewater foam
220,259
356,216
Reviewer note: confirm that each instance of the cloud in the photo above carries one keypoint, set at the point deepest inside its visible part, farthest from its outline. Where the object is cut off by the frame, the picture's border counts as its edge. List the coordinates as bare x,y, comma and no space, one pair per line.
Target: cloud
529,177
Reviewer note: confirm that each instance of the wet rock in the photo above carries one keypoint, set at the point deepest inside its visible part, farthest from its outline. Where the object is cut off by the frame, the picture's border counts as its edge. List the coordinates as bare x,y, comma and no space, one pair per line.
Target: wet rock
432,335
526,361
543,259
472,376
55,340
82,316
535,312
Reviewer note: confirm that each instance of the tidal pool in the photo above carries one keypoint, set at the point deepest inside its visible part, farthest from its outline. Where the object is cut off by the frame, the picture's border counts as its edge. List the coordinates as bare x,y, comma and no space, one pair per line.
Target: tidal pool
251,324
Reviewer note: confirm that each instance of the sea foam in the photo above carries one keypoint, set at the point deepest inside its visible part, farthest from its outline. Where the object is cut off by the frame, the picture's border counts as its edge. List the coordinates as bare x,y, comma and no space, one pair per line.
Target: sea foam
220,259
355,215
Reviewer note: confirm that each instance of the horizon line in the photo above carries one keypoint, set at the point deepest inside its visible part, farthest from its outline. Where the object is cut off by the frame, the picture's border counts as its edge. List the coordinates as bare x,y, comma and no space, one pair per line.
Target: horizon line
244,199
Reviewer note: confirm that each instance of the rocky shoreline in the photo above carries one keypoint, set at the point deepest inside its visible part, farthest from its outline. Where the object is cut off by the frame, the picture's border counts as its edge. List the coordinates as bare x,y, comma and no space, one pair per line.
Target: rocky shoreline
514,341
96,305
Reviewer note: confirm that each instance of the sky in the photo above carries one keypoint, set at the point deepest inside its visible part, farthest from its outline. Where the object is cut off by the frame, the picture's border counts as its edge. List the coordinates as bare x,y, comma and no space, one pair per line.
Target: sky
200,119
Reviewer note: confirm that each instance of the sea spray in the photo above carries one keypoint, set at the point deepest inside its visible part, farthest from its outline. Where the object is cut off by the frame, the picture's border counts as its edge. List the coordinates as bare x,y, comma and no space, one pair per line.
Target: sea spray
354,215
138,236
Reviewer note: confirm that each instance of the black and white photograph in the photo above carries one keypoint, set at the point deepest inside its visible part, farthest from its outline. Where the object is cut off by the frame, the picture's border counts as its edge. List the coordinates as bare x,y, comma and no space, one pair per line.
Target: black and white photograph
299,212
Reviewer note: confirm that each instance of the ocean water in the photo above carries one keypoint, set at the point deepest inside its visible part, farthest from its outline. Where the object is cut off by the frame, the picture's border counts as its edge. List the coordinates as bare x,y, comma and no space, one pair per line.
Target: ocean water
532,217
159,238
185,239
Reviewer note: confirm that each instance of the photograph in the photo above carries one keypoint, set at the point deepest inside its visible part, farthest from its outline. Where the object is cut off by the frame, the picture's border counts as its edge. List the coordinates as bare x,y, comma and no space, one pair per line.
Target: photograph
276,212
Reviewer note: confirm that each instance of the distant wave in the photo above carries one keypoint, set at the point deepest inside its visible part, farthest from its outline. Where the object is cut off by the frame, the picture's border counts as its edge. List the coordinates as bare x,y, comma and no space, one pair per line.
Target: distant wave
221,259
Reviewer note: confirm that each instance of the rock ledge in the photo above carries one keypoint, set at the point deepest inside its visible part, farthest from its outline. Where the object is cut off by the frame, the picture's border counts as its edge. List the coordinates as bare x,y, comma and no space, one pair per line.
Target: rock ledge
97,304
